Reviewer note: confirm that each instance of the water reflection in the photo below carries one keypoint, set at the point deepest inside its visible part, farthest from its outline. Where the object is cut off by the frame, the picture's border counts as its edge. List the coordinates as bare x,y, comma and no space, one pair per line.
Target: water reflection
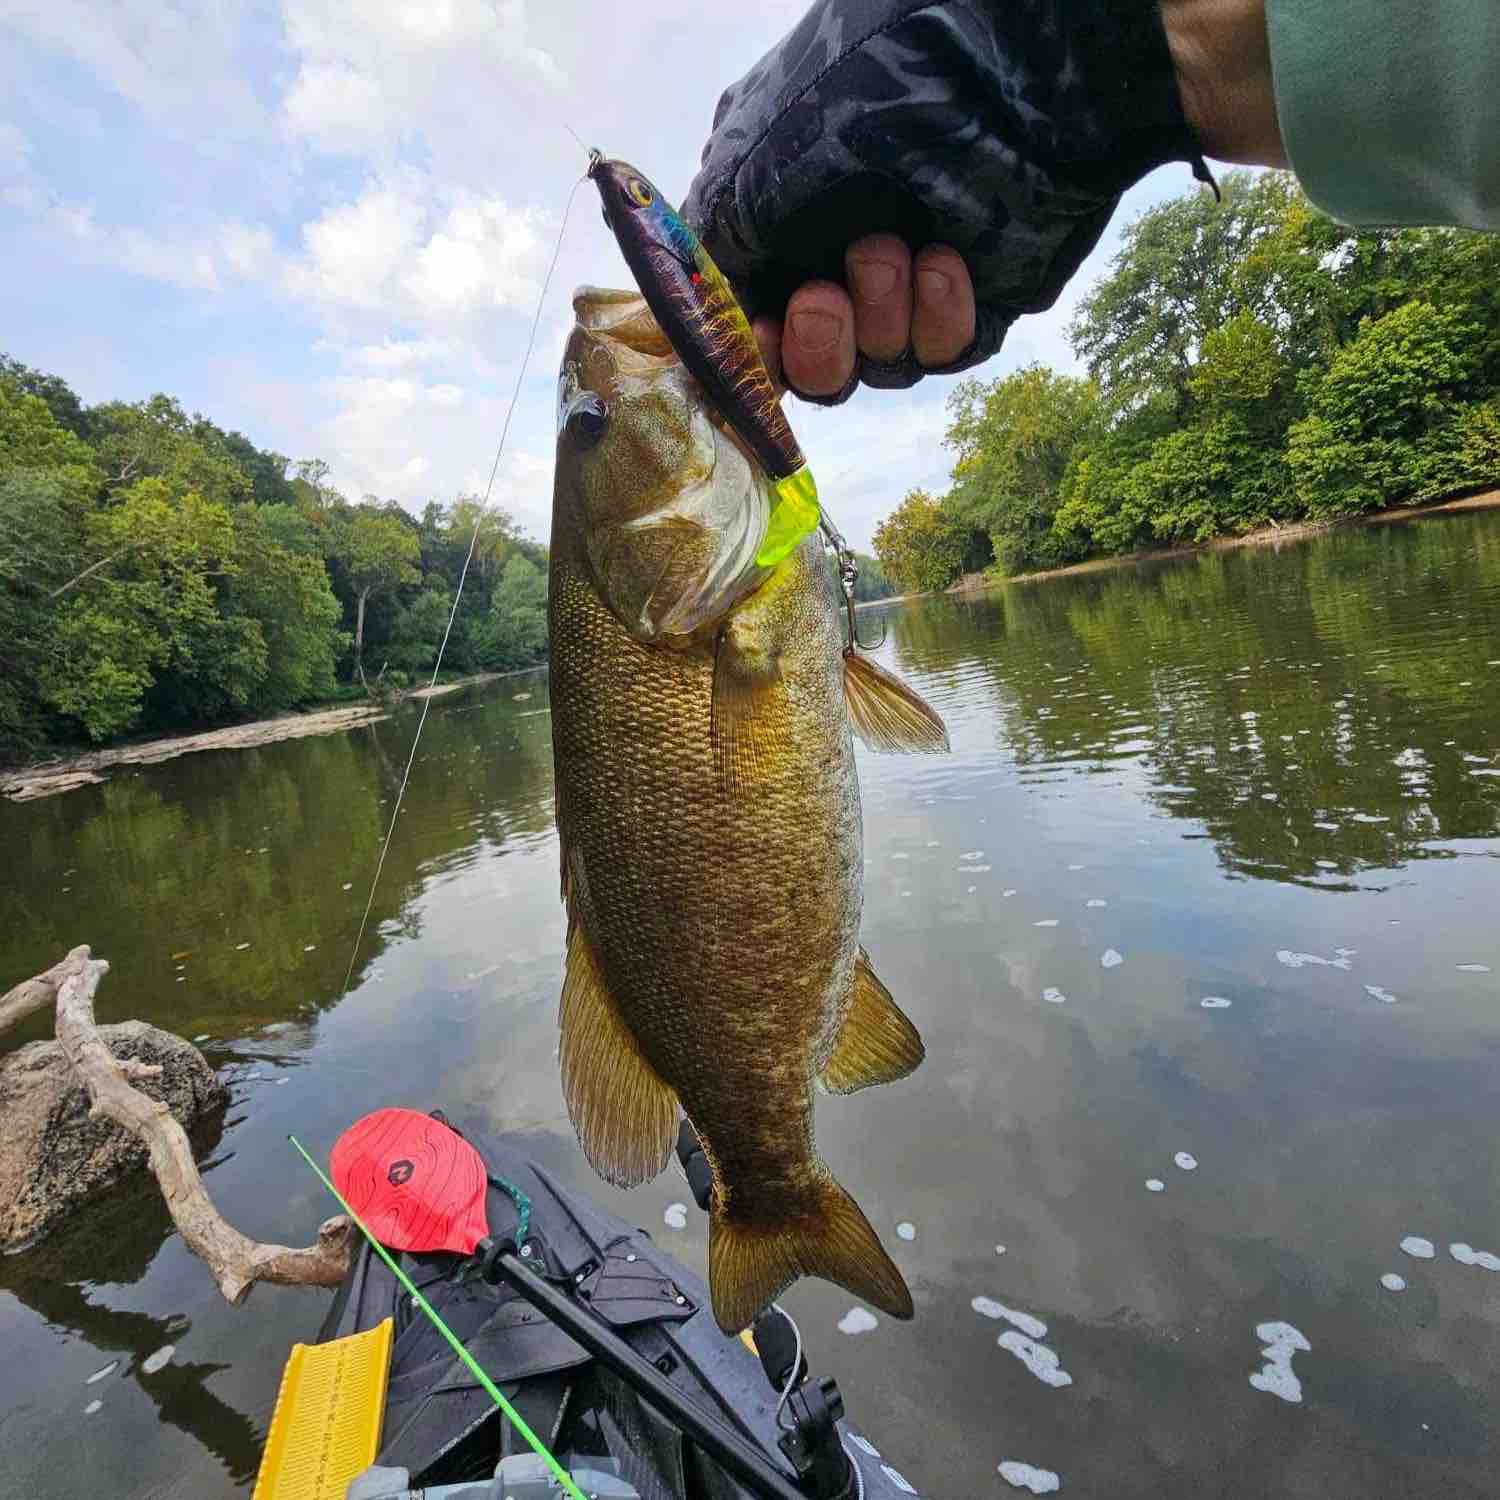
1321,710
1195,768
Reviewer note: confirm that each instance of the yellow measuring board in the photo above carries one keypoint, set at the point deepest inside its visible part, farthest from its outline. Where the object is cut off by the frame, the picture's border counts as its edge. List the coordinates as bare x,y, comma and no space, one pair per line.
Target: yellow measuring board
326,1426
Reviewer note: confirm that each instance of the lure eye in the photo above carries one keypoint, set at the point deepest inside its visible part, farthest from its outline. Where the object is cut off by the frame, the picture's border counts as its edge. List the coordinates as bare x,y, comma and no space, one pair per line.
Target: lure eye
639,191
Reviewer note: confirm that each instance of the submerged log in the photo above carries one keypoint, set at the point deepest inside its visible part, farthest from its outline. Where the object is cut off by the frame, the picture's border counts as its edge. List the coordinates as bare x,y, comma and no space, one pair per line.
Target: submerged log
236,1261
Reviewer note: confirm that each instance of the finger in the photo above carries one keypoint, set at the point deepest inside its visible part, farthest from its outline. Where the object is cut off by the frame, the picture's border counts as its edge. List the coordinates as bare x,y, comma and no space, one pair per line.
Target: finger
767,333
878,270
817,339
942,320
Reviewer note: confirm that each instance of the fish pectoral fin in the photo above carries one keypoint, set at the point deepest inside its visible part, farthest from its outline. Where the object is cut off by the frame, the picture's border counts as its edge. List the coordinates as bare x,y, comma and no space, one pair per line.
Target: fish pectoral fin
744,735
877,1044
822,1234
885,713
625,1116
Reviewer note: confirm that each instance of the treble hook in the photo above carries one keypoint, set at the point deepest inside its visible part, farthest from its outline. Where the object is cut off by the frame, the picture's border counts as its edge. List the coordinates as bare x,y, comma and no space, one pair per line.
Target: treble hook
848,566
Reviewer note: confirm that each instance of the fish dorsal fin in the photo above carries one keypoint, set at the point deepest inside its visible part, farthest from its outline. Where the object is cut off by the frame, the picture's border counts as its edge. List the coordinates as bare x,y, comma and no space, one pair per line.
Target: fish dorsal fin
885,713
877,1043
625,1116
744,737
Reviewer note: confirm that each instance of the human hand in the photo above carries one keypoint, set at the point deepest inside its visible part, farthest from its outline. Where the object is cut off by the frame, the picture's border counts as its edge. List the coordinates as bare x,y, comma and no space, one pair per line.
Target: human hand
994,139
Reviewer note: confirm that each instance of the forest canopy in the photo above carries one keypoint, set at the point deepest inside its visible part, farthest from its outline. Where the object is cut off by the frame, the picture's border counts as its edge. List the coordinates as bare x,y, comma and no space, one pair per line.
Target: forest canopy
158,572
1248,363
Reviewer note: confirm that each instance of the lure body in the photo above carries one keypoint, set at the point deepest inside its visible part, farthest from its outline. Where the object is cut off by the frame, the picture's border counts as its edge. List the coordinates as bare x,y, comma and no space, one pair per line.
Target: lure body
700,315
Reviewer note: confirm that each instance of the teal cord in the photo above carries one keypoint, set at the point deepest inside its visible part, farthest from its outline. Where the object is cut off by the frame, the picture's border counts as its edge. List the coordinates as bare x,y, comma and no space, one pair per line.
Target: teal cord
523,1207
523,1204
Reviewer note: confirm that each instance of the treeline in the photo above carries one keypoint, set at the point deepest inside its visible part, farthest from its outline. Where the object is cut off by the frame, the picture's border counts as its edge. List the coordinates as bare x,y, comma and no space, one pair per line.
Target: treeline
1250,363
157,572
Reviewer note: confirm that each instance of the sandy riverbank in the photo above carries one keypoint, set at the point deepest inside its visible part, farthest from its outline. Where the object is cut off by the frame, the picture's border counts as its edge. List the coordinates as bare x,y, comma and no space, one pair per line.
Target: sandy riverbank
1266,536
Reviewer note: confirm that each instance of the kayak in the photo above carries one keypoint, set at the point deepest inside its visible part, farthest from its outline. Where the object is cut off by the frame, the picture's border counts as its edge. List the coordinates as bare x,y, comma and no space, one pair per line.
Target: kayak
607,1348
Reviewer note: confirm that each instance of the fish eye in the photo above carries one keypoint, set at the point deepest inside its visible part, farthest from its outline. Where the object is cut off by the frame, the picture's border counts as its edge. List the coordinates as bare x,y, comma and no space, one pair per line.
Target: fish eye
640,191
586,419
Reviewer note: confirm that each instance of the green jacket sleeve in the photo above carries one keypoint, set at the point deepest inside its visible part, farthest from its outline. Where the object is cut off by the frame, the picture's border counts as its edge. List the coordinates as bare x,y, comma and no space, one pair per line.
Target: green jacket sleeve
1390,109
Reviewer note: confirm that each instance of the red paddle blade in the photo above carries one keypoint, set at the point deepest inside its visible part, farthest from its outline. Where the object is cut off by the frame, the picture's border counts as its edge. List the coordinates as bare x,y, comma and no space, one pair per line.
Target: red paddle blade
417,1184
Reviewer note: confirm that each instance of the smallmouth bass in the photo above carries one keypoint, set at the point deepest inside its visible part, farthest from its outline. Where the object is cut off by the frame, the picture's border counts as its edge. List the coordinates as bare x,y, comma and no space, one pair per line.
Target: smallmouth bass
709,820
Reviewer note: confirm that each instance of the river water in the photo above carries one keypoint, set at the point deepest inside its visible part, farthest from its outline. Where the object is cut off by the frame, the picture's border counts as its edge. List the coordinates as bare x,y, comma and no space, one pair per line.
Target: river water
1213,868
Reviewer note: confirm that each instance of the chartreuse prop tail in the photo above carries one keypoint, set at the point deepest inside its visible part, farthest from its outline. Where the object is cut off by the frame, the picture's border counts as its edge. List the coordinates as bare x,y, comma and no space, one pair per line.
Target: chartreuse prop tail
794,513
491,1389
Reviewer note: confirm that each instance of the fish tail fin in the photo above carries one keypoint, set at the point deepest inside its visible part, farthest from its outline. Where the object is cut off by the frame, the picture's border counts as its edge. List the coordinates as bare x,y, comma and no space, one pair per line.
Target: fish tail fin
824,1234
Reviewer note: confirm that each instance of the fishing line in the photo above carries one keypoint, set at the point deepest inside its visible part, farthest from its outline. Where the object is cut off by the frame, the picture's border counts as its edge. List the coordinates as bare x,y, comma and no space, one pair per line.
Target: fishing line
490,1388
462,579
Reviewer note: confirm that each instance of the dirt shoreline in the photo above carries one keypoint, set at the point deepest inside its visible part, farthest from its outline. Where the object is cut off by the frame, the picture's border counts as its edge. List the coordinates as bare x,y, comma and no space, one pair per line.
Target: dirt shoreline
24,783
1266,536
64,774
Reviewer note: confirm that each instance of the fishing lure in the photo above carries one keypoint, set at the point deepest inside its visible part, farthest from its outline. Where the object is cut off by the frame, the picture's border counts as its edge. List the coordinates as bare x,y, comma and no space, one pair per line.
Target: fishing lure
706,325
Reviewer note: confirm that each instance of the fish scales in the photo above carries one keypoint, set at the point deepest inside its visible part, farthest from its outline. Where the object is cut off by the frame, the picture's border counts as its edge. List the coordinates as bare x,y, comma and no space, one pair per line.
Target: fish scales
709,821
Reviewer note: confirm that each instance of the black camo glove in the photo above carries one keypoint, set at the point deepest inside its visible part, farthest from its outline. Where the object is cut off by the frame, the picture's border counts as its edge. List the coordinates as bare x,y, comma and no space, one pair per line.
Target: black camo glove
1005,128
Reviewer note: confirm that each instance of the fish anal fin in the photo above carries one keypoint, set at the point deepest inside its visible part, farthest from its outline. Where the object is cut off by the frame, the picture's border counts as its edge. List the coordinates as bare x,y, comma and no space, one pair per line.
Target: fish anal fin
743,736
625,1116
823,1234
877,1043
885,713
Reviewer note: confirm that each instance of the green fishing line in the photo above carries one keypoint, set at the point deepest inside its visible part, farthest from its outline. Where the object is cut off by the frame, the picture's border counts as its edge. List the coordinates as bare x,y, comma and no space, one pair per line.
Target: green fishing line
491,1389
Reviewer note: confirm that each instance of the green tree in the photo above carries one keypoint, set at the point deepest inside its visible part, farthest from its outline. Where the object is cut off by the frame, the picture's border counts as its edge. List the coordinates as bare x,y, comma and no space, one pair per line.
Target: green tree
1385,420
1014,438
920,545
379,553
518,615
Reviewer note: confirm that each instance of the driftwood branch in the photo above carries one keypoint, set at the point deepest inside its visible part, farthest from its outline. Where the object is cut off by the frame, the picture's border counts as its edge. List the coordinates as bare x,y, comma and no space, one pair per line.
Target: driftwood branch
36,994
237,1262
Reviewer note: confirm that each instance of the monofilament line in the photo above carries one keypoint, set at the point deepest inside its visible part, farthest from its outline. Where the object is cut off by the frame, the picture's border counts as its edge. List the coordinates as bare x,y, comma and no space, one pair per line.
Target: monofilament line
484,506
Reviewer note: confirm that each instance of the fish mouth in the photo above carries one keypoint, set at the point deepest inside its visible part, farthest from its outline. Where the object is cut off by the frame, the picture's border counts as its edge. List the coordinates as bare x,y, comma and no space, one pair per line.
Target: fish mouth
622,317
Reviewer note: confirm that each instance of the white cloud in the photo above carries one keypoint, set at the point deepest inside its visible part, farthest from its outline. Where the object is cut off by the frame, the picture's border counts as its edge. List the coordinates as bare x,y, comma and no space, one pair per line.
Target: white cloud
407,248
167,57
370,73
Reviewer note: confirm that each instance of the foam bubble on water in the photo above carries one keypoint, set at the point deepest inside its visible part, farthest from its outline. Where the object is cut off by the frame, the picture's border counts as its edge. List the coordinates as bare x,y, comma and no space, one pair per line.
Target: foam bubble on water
900,856
1155,1185
348,885
99,1375
675,1216
1186,1160
92,1407
987,1307
934,844
1375,992
1046,922
1392,1282
1467,1255
858,1320
1281,1341
974,869
1111,959
1075,867
1472,968
1300,960
1025,1477
1415,1245
1215,1002
1038,1358
1345,952
158,1361
1005,895
906,1230
973,854
1096,902
1327,827
309,947
1053,996
999,1249
240,947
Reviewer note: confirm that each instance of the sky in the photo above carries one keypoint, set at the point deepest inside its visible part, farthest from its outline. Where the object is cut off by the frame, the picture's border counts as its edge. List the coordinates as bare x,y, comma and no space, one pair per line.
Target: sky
326,223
